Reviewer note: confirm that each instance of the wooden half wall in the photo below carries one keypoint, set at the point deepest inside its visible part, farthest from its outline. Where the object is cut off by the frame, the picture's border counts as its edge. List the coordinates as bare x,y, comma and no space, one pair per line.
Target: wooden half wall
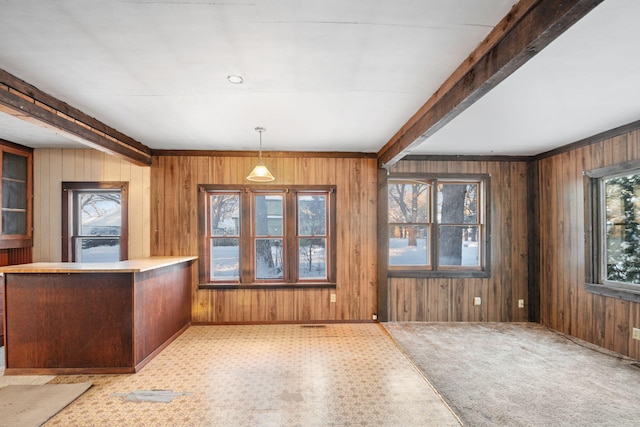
174,231
565,305
451,300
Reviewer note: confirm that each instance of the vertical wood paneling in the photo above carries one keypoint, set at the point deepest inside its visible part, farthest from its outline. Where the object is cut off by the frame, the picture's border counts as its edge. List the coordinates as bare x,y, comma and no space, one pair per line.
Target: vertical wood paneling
565,305
450,300
54,226
174,182
157,212
40,210
53,166
136,209
18,256
634,322
585,301
500,214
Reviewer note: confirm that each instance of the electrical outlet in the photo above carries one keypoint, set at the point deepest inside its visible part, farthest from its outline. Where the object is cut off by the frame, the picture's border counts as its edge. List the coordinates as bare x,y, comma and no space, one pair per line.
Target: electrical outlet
520,303
636,334
333,297
374,317
477,301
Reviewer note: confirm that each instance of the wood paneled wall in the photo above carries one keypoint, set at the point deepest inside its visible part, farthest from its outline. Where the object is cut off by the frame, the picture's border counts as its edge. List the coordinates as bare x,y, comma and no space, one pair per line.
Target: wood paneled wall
53,166
451,300
565,305
174,222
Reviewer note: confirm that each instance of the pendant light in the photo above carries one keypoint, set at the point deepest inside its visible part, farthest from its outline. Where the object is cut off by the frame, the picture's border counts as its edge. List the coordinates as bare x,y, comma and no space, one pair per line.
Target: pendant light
260,173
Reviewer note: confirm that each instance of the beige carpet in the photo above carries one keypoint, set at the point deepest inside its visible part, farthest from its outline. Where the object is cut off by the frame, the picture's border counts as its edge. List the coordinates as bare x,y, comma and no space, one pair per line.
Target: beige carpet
33,405
506,374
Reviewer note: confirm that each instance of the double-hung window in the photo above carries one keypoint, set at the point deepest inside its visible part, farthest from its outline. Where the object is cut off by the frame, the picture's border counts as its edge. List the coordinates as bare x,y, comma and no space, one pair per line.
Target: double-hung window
94,221
613,231
437,225
264,235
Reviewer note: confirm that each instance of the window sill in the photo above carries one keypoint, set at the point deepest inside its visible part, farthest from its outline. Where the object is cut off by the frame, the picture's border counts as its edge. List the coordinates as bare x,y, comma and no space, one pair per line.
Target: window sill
443,274
300,285
627,293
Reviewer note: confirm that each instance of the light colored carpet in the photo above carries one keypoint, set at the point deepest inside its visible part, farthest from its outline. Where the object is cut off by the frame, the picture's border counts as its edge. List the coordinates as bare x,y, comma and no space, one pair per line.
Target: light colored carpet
506,374
33,405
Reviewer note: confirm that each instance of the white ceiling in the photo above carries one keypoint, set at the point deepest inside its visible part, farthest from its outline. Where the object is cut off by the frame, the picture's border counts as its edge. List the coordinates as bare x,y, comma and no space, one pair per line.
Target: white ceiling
336,75
585,82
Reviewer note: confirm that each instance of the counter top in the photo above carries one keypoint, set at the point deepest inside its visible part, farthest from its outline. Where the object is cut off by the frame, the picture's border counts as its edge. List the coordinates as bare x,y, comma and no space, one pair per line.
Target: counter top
129,266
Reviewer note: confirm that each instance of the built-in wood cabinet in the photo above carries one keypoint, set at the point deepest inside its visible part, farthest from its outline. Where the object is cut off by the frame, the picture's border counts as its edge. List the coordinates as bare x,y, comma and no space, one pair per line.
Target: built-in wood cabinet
1,316
94,318
16,218
16,209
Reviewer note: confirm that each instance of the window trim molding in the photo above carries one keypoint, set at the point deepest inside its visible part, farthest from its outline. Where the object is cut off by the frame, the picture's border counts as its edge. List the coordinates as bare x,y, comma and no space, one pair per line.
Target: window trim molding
68,226
246,237
481,271
594,282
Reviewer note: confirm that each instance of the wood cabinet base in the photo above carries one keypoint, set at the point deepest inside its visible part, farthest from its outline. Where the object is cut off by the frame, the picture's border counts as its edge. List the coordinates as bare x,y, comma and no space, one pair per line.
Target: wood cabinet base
96,371
93,322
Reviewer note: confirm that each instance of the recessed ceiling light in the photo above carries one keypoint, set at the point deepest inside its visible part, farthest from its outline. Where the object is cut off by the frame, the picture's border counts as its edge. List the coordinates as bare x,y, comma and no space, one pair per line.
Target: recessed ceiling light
235,79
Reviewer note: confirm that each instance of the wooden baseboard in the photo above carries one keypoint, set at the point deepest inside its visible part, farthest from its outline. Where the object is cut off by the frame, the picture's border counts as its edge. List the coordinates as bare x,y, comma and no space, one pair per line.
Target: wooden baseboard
154,353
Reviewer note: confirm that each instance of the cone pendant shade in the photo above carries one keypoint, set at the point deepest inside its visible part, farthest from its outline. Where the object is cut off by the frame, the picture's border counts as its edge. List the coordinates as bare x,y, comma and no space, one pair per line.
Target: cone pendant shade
260,172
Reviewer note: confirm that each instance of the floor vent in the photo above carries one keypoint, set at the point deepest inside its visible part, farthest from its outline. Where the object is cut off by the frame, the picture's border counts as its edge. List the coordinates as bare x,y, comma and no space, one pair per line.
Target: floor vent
313,326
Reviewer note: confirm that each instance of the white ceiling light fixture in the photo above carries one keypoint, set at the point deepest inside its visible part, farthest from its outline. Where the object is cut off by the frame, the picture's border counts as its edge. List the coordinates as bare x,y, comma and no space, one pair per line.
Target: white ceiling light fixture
235,79
260,172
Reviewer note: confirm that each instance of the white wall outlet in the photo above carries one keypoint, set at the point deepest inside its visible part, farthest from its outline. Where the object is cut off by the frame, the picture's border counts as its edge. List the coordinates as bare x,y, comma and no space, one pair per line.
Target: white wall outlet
374,317
477,301
636,334
333,297
520,303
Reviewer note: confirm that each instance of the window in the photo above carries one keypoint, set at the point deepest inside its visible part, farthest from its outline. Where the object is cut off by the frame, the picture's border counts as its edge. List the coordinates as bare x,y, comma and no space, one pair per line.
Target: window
94,221
437,225
613,231
259,235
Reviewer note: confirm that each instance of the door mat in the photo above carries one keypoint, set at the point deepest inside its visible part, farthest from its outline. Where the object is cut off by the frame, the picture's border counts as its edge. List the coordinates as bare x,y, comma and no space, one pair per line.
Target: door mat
33,405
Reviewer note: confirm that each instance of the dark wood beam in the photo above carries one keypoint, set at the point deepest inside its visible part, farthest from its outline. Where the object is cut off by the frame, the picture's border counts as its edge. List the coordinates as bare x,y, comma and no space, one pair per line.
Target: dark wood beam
529,27
26,102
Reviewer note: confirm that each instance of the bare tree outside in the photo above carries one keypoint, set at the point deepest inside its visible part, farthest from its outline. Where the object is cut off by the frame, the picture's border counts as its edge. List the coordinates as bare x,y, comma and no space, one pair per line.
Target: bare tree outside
99,226
412,231
409,222
408,203
269,227
312,224
452,212
267,236
223,208
224,213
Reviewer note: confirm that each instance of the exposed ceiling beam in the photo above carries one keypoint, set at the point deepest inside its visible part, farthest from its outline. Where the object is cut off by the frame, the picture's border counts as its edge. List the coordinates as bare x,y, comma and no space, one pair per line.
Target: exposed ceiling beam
529,27
26,102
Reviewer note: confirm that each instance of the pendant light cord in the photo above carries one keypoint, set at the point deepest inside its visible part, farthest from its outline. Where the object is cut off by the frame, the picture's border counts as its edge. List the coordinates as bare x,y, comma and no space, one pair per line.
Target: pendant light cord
260,130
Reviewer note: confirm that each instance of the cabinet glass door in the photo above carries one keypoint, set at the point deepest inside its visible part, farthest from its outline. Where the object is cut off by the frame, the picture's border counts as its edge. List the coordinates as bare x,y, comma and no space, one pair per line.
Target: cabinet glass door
14,193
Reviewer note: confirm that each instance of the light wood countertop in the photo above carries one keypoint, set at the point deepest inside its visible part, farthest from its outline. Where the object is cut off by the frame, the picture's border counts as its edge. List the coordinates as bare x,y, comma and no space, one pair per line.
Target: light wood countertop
130,266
